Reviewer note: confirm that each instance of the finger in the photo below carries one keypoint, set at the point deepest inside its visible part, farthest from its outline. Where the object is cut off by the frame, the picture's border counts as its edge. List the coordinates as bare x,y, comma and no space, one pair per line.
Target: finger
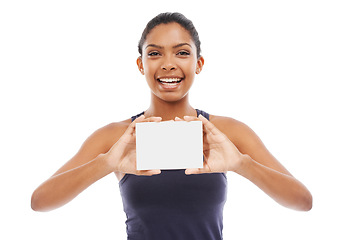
204,169
131,128
153,119
140,118
190,171
190,118
178,119
209,127
148,172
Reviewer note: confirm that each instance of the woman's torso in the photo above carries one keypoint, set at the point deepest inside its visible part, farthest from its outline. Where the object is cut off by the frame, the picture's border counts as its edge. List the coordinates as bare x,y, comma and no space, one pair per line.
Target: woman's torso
172,205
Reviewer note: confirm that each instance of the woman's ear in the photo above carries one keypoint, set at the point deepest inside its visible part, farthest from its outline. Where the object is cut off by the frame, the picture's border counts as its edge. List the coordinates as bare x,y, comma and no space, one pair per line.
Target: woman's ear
200,64
140,65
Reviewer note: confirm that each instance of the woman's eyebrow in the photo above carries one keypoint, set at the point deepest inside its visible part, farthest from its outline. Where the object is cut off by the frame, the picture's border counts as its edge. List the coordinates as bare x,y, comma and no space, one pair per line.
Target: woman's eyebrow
153,45
182,44
176,46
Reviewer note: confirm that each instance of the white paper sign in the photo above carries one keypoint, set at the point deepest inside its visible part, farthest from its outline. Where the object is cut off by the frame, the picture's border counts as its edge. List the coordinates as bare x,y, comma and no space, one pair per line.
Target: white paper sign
169,145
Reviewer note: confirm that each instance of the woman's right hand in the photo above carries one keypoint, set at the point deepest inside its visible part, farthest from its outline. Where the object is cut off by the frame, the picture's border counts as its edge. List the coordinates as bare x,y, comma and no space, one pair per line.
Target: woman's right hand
122,155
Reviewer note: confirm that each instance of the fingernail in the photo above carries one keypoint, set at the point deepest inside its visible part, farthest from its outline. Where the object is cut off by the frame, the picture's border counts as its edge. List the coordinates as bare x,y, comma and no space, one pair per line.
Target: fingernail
177,118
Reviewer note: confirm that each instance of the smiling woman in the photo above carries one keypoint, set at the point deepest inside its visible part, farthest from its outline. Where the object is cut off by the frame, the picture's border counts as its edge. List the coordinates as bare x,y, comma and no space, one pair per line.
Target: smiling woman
173,204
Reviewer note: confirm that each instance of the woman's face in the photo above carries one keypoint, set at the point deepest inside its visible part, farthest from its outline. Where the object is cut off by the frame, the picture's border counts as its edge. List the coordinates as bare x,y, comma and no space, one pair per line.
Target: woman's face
169,61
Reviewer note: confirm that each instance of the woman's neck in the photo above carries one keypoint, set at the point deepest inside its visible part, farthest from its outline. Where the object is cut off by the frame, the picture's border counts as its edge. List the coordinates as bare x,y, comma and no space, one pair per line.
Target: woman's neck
169,110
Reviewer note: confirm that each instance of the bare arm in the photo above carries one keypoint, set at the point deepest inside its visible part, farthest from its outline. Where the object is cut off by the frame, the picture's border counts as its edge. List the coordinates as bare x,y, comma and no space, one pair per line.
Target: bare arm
63,187
283,188
85,168
95,159
235,147
260,167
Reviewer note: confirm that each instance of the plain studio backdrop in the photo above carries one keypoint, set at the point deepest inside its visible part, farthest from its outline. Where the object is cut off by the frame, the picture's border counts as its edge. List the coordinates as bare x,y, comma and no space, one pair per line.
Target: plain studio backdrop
68,68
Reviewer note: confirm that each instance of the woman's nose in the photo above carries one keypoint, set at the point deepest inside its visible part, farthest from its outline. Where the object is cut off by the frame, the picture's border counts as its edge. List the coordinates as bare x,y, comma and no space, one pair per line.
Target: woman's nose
168,68
168,64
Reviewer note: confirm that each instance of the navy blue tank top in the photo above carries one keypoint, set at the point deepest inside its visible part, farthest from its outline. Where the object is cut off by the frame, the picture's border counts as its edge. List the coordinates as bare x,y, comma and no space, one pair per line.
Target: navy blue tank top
174,206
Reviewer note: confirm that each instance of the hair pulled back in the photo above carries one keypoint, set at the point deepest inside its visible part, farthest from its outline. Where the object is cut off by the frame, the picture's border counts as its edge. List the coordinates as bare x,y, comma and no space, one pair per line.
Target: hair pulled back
168,17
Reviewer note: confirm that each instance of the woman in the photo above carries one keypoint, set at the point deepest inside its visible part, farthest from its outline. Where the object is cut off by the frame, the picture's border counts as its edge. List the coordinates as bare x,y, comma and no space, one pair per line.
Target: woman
173,204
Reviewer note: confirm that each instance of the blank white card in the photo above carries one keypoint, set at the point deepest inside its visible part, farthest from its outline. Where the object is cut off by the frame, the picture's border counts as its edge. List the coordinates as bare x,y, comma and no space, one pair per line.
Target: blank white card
169,145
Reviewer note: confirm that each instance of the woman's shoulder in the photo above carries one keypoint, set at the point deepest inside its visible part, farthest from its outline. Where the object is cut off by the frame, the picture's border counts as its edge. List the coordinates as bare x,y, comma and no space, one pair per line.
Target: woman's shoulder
225,122
234,129
108,135
115,128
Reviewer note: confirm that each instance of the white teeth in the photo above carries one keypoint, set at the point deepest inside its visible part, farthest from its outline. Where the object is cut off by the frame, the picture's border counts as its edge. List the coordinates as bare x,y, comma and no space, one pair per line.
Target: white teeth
169,79
170,84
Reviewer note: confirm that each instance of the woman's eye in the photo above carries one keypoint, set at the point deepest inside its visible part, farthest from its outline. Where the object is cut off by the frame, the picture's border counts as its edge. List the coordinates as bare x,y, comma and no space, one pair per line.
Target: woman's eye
153,54
183,53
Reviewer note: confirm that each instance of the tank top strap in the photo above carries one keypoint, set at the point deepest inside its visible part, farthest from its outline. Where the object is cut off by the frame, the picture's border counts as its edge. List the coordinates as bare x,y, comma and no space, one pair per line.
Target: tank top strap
136,116
203,113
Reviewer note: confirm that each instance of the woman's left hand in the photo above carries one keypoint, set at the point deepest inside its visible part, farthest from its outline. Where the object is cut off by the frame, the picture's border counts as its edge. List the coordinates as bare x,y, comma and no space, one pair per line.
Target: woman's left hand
220,154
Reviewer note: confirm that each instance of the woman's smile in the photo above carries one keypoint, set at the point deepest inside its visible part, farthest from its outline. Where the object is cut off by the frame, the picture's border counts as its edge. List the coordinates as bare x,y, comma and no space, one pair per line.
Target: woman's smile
170,82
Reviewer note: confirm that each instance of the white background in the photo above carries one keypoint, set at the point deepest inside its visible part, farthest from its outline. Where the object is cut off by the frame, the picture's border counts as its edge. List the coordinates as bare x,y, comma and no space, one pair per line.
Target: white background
68,68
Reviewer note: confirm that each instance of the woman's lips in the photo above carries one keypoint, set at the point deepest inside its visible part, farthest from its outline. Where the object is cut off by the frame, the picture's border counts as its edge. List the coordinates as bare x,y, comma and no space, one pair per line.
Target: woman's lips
170,83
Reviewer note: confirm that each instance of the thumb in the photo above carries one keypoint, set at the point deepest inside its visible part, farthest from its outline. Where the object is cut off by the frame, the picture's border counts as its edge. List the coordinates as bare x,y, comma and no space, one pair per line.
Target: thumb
190,171
130,130
205,169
